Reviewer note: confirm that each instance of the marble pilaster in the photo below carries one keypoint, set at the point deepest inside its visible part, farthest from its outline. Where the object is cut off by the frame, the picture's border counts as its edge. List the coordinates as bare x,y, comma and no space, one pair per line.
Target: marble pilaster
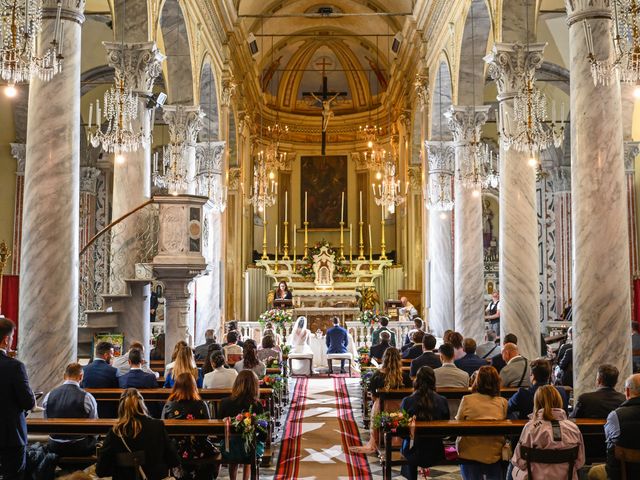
511,65
19,152
138,64
466,123
441,306
48,334
599,204
631,151
561,182
184,123
88,192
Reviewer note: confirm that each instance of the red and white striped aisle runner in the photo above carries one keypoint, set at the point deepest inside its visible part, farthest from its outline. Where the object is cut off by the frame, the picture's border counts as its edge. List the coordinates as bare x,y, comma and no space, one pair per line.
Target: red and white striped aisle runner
289,457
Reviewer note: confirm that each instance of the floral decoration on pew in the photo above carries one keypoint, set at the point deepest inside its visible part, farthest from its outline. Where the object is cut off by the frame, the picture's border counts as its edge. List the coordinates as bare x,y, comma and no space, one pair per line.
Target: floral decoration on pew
250,425
276,382
392,421
272,362
365,378
368,318
279,318
286,350
363,357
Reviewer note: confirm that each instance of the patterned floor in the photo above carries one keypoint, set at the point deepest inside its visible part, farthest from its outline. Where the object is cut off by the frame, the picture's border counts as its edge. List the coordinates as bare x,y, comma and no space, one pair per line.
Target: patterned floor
332,454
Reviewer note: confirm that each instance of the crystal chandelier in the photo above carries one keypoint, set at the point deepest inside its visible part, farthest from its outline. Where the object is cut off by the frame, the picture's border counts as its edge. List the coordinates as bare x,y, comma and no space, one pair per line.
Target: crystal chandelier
527,132
20,25
120,110
265,188
626,43
376,156
209,180
388,192
173,174
439,190
479,168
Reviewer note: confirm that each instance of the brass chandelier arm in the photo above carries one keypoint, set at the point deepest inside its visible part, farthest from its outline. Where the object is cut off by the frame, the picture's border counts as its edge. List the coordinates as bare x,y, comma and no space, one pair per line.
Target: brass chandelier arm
114,223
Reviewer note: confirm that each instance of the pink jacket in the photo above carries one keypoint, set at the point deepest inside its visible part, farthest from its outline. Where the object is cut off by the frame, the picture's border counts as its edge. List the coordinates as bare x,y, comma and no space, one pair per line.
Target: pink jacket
538,434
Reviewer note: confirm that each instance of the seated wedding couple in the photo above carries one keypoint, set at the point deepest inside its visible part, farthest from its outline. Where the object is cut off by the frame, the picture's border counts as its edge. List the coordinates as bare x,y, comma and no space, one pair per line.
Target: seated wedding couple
302,354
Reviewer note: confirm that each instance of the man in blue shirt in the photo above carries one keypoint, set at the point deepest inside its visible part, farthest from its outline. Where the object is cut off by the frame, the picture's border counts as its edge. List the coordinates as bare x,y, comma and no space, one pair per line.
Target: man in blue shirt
470,362
69,400
337,340
428,357
521,403
100,374
136,377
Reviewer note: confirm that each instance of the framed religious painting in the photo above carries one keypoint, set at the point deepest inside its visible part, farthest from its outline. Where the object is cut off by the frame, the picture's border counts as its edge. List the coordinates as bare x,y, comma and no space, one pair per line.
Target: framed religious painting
116,339
323,179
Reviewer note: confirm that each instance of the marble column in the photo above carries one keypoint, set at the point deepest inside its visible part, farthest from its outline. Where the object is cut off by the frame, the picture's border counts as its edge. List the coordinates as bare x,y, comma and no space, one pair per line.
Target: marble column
49,252
184,123
440,279
139,64
599,205
466,123
631,151
561,181
511,65
421,87
19,152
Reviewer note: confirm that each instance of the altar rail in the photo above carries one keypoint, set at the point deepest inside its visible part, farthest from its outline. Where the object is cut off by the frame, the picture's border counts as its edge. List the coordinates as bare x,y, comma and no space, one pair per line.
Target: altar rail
361,334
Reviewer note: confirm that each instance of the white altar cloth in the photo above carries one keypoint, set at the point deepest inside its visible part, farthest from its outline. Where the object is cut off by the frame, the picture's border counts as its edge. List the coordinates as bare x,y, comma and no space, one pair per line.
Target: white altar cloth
319,347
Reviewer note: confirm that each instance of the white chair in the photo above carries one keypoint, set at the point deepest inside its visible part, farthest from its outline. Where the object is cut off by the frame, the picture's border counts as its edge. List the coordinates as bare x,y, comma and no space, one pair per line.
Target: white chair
303,357
339,356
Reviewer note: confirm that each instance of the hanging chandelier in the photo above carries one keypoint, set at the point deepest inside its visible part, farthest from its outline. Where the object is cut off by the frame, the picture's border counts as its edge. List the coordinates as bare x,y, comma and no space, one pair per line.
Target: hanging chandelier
479,168
20,25
626,45
172,171
388,192
120,111
272,155
209,180
528,131
265,189
439,189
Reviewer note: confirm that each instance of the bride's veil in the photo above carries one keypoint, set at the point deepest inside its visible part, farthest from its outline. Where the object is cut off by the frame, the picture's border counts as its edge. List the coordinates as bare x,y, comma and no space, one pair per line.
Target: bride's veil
297,335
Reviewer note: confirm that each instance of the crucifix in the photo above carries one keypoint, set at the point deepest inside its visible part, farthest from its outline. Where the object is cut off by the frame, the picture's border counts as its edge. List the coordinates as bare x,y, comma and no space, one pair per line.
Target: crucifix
325,97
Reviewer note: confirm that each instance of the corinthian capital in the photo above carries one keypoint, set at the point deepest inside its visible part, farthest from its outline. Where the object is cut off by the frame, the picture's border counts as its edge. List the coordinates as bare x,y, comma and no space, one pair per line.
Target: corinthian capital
19,152
465,122
578,10
421,86
184,123
631,151
138,63
512,65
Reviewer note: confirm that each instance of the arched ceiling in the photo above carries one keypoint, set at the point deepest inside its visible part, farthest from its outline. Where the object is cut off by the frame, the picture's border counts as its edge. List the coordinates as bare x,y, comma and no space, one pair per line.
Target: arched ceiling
295,43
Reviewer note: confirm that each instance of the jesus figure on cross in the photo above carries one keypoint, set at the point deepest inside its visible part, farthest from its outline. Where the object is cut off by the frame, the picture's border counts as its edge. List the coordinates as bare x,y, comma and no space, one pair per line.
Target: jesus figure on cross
327,113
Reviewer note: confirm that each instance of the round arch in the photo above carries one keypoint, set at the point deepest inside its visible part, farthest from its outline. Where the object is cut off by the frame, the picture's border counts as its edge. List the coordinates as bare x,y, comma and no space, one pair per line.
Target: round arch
178,68
473,48
442,92
209,103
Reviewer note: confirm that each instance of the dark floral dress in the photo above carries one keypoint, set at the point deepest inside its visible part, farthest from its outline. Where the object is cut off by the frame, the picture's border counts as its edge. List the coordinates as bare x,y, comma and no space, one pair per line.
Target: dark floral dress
197,452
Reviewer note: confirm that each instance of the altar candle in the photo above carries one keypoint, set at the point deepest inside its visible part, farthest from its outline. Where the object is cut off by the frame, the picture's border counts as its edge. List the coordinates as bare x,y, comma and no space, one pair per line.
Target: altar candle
370,246
286,202
90,115
295,234
350,235
342,209
305,206
360,205
276,242
98,114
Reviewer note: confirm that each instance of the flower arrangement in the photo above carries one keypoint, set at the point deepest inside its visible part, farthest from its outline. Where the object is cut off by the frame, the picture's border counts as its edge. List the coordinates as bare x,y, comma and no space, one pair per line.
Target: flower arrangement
279,318
286,350
249,425
363,357
272,362
365,378
273,381
306,266
391,421
368,318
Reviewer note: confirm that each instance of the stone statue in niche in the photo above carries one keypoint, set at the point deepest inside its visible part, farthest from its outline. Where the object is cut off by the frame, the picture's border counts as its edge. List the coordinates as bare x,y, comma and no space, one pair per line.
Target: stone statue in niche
323,268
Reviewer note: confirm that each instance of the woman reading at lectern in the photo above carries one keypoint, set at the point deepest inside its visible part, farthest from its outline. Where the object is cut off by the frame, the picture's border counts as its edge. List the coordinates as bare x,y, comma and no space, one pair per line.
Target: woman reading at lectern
282,292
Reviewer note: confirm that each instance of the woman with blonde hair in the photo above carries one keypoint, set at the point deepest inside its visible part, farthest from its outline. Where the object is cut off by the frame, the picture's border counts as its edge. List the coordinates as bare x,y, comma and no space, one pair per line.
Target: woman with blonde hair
176,348
136,438
390,376
185,363
548,429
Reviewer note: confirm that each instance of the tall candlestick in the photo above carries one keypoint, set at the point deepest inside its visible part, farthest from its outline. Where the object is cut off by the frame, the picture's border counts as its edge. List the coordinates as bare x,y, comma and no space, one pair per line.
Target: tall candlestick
350,246
306,239
342,209
295,235
370,250
383,246
360,205
286,203
285,245
276,265
341,240
264,235
305,207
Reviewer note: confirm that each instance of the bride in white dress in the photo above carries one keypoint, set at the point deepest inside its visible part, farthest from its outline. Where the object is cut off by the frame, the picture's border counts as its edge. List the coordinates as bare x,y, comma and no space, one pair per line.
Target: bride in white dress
299,341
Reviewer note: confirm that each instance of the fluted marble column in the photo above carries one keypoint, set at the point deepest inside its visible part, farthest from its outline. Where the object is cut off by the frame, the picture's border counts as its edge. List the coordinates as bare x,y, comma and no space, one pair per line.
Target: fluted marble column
601,308
511,65
19,152
49,263
184,123
440,253
139,64
561,181
466,123
421,87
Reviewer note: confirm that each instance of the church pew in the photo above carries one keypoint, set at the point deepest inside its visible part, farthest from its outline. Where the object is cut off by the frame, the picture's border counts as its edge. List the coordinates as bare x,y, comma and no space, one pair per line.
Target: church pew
443,428
85,426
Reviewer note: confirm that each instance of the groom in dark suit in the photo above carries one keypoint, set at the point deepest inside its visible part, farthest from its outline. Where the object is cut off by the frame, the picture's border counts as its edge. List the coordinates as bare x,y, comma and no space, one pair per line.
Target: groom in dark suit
337,340
16,399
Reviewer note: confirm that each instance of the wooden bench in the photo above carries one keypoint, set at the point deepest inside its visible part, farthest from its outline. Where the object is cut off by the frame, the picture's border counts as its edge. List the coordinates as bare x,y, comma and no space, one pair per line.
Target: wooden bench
444,428
85,426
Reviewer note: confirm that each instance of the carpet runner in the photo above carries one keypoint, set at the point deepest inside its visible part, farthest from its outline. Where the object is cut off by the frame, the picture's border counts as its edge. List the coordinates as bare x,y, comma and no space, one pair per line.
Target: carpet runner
319,430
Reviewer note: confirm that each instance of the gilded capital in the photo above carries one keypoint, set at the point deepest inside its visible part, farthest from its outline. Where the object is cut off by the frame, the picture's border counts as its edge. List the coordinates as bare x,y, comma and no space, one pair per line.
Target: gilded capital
421,86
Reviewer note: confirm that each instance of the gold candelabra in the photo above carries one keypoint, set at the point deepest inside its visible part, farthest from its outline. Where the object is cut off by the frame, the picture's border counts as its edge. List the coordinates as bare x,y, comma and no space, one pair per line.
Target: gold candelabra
306,238
285,247
264,241
383,246
342,241
361,244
